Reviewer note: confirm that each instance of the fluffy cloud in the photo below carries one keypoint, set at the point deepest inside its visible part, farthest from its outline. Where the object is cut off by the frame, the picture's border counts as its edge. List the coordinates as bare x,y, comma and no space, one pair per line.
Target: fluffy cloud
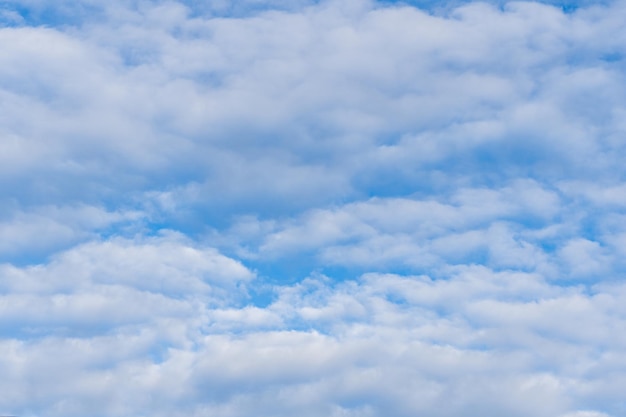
493,342
309,106
337,208
116,282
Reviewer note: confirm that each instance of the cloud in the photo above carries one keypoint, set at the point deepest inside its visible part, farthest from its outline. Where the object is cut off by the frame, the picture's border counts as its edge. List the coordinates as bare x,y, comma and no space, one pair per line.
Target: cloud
498,226
380,344
116,283
44,229
336,99
337,208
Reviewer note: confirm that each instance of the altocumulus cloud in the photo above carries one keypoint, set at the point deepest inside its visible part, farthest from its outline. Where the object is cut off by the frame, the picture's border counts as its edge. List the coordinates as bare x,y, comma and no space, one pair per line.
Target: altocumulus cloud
316,208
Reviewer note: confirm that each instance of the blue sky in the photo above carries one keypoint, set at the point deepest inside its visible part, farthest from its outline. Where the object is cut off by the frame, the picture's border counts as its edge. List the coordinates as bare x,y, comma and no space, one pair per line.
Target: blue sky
316,208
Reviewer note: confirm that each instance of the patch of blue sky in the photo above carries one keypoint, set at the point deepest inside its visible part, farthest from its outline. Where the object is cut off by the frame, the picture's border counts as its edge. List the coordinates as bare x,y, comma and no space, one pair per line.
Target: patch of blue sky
245,8
567,6
76,13
65,14
32,256
58,15
62,329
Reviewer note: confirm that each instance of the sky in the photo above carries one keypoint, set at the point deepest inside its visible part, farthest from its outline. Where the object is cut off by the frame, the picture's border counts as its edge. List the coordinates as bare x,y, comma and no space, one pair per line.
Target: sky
337,208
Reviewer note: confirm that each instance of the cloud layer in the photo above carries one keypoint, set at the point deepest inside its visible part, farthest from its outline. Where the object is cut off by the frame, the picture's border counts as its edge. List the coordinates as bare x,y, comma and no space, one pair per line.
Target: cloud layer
333,208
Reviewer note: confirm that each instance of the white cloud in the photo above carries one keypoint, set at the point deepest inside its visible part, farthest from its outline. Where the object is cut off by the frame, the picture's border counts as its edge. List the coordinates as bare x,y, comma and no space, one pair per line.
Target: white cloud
165,264
466,338
499,226
448,180
44,229
362,89
585,258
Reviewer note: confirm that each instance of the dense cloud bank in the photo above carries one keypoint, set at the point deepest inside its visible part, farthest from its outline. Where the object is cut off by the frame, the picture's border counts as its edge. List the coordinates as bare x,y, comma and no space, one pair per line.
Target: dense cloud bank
316,208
